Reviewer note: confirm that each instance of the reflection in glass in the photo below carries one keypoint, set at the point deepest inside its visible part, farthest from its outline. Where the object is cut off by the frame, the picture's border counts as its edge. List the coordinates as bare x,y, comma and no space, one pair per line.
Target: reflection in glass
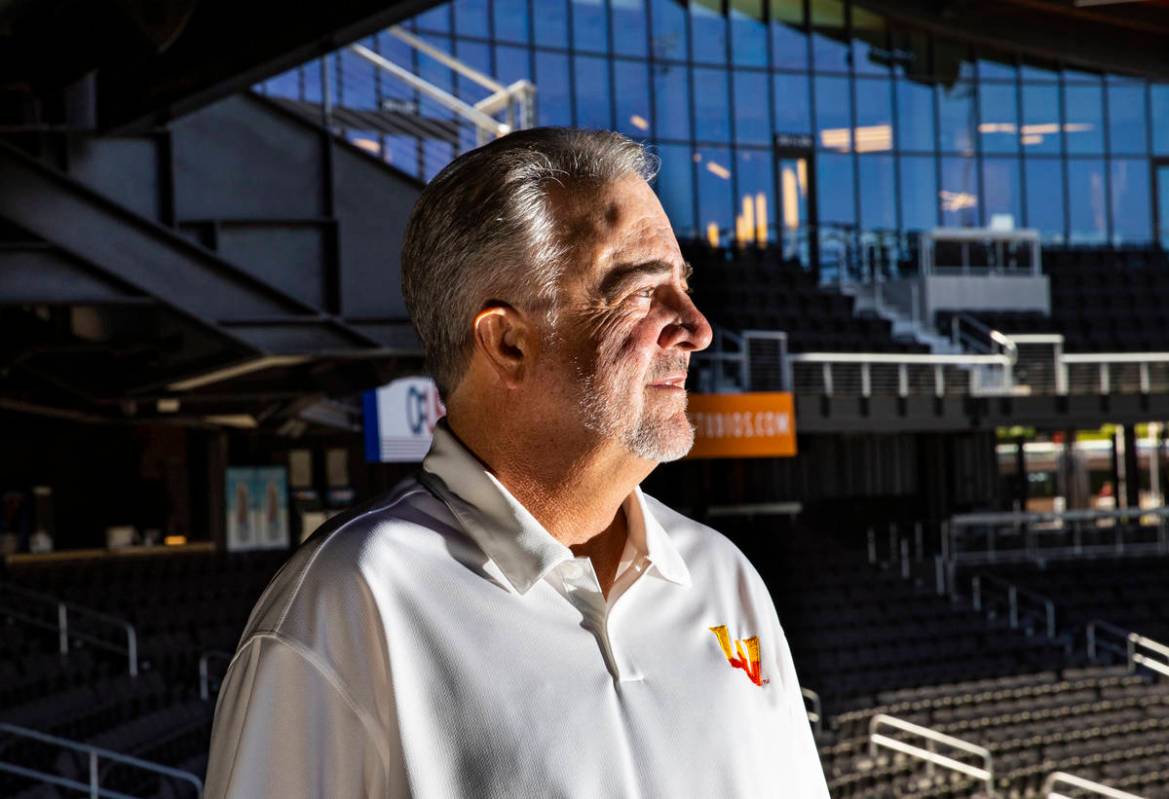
829,42
435,19
756,196
1001,193
669,30
674,185
748,32
870,42
629,20
833,113
553,103
671,101
958,198
1159,101
1041,128
711,115
956,117
512,64
510,18
1126,119
795,223
793,112
1131,215
550,25
874,115
998,123
708,32
915,116
836,213
1085,118
590,25
751,108
1045,197
789,42
714,194
877,193
919,193
592,92
1087,208
631,85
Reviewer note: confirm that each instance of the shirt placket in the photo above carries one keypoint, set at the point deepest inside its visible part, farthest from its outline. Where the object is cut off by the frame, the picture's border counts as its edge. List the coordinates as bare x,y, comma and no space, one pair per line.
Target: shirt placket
583,590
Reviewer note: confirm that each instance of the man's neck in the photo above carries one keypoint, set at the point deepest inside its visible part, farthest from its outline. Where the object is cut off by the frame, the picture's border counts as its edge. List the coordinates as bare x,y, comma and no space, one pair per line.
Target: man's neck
573,485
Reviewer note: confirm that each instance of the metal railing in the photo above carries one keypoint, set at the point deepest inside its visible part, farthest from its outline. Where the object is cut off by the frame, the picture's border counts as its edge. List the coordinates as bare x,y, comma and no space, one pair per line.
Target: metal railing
980,250
814,708
866,374
94,755
406,100
753,360
1023,536
1062,777
1138,650
932,738
1016,600
57,614
205,671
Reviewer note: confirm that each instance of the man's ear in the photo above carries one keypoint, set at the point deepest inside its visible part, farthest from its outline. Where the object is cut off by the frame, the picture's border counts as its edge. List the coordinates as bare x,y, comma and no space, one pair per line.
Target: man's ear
504,337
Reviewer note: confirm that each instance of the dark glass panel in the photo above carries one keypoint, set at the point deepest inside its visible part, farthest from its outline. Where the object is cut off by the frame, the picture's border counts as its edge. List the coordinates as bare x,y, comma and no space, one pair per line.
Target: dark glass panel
789,41
752,125
592,92
998,123
550,23
708,32
1084,109
675,187
956,117
1160,103
629,31
833,113
1087,203
511,20
874,115
1045,198
436,19
669,30
1127,121
915,115
870,42
553,100
877,193
748,32
1001,193
793,112
512,64
756,211
671,101
919,193
471,18
712,117
834,189
631,84
1041,124
1132,215
590,25
829,37
715,202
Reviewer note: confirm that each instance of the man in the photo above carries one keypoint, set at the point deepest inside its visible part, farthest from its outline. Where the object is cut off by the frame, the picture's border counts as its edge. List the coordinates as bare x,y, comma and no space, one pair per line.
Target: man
520,620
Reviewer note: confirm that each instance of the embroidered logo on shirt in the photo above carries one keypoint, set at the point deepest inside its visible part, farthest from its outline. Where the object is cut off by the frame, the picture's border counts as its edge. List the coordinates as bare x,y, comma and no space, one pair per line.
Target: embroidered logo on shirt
746,653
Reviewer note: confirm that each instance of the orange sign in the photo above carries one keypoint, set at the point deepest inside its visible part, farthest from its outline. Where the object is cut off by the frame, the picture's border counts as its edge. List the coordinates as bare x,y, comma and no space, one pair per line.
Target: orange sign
749,425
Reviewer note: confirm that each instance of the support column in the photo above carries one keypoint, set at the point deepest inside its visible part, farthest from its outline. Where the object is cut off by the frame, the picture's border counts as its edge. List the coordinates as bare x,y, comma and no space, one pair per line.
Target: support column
1020,473
1132,468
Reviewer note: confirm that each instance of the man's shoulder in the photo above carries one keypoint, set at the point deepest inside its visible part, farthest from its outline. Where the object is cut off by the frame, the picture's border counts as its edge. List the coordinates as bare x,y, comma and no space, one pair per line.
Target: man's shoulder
335,566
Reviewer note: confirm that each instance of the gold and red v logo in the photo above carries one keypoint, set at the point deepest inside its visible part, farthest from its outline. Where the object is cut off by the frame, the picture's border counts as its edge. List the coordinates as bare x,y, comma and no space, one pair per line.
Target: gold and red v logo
746,659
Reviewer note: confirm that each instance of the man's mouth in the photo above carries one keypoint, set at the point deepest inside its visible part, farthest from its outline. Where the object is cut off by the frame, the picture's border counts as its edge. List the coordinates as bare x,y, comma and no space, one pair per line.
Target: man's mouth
675,381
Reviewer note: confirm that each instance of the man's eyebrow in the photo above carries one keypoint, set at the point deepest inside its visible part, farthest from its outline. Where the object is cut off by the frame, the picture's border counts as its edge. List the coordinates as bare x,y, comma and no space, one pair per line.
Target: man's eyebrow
623,273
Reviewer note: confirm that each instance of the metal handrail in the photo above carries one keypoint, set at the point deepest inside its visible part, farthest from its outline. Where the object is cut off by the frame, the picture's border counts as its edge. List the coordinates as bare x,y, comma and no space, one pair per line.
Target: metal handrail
94,753
1013,593
895,359
816,711
480,120
204,671
1133,644
63,611
984,774
1053,779
447,60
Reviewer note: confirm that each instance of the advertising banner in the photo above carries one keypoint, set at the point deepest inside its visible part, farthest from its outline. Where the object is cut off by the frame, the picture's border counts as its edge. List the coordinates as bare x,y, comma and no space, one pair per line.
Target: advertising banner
749,425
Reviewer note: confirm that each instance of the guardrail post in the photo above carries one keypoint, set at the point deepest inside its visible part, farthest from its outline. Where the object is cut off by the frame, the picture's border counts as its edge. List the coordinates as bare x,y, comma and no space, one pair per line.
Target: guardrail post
905,558
939,381
902,380
1013,600
918,547
939,576
892,541
976,592
1144,372
1130,646
132,649
1105,380
872,541
63,628
1049,607
94,790
1090,634
866,381
826,371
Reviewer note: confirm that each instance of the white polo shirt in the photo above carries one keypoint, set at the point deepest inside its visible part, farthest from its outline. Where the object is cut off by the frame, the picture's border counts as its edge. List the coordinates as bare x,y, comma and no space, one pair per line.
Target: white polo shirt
439,643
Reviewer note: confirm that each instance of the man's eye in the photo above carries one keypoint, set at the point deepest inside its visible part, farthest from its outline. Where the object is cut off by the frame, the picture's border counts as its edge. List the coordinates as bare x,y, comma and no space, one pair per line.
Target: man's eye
646,293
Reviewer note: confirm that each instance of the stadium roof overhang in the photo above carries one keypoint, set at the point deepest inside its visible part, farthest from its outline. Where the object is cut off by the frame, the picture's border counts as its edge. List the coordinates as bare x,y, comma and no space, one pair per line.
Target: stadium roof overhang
1125,36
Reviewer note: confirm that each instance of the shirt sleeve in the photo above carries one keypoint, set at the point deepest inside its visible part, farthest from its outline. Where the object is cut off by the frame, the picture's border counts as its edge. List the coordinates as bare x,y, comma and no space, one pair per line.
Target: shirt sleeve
807,768
286,726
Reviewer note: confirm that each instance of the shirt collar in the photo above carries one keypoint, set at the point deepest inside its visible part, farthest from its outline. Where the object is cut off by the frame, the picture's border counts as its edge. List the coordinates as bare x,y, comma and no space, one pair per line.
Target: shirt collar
508,533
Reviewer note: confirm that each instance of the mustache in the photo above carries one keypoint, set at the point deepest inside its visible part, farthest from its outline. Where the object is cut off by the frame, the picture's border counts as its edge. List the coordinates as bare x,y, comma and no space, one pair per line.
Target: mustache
670,365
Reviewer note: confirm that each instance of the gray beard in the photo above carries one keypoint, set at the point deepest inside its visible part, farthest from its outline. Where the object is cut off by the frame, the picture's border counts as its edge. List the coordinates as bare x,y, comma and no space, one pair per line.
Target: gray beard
605,412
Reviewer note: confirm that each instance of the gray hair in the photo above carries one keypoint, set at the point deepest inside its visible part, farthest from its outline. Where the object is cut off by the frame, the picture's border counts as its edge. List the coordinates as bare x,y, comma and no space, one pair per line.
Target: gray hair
484,230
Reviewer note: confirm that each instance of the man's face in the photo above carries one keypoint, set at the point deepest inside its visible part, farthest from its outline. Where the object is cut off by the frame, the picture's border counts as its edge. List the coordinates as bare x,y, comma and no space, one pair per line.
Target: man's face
626,326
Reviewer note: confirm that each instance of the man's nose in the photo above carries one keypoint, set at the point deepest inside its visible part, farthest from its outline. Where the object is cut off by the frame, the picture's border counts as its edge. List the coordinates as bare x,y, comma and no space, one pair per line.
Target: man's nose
690,331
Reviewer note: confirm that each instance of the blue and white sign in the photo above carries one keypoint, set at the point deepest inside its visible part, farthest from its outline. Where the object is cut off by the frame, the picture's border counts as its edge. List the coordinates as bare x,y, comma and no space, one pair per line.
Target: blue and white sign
400,419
